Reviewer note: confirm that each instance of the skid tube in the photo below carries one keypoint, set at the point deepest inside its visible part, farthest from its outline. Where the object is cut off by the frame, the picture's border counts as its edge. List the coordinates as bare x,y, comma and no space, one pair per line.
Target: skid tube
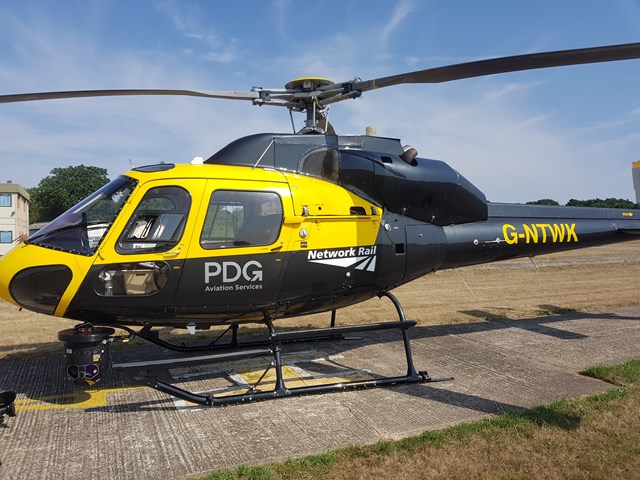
145,372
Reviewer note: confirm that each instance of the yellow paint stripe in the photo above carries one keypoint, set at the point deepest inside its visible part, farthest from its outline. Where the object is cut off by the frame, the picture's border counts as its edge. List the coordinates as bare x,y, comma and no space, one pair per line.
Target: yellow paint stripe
291,377
76,399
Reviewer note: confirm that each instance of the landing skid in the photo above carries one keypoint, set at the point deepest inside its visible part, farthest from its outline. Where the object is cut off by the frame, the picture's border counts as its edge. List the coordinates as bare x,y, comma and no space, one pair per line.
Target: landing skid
146,373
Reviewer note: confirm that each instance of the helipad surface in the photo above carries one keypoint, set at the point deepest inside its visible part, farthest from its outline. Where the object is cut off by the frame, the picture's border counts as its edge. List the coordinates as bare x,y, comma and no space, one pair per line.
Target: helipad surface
121,432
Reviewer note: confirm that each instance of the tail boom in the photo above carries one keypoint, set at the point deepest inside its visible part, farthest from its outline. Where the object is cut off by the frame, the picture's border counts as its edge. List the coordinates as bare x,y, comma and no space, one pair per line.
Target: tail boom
513,231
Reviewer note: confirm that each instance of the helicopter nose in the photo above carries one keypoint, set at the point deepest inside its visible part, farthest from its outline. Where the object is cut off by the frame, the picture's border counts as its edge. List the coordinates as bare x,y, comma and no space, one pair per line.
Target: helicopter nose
6,273
35,287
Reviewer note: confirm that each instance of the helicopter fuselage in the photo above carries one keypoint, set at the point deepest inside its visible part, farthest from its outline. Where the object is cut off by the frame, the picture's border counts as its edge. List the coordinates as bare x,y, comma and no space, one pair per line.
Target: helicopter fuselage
274,226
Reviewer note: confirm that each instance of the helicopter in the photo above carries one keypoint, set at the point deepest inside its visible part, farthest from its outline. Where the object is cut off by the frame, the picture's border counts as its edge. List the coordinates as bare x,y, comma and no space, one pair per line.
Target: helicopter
275,226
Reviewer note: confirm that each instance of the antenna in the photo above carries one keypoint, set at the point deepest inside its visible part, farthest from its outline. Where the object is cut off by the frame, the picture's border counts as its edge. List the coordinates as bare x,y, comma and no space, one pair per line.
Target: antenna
534,263
465,284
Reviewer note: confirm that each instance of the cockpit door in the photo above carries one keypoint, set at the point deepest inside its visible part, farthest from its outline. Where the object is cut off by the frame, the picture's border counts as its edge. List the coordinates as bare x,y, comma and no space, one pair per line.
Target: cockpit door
138,267
238,251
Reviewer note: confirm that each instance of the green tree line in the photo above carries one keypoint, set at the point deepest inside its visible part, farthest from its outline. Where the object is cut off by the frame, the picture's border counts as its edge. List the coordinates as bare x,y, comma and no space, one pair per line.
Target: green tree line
594,202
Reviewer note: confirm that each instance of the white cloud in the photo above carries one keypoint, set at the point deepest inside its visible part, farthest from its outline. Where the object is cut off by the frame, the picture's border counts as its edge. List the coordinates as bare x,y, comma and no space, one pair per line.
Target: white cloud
400,12
280,10
222,57
187,19
36,137
509,88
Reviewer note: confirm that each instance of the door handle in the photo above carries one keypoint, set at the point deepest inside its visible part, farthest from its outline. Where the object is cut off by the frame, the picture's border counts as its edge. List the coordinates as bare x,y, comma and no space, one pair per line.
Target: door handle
173,252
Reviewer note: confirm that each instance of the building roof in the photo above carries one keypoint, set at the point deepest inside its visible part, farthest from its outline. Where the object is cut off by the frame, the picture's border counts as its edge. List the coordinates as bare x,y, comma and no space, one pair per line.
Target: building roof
14,188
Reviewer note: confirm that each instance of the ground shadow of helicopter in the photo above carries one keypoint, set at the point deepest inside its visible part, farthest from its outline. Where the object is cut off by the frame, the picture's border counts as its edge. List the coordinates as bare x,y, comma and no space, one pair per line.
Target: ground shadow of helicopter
280,225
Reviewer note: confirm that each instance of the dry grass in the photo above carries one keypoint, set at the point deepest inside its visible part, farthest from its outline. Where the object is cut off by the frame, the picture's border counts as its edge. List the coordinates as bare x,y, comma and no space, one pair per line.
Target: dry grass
589,279
605,445
596,437
27,333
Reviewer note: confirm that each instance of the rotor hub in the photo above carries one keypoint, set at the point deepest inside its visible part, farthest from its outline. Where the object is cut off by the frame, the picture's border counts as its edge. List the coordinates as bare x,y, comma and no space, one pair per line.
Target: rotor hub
308,96
307,84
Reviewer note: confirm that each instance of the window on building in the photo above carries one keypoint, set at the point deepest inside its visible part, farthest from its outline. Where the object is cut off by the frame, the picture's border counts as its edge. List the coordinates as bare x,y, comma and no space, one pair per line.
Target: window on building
5,199
241,219
6,237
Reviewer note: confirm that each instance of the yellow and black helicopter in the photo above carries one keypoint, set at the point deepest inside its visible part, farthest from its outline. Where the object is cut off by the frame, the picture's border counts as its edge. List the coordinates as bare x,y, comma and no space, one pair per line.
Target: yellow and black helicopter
280,225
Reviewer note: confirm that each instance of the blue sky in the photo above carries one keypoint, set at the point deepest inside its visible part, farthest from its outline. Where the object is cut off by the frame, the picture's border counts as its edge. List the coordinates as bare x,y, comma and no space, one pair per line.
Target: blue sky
560,133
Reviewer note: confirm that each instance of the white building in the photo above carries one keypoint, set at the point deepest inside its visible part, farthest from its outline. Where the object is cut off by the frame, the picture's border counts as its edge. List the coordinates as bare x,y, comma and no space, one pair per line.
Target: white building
635,171
14,215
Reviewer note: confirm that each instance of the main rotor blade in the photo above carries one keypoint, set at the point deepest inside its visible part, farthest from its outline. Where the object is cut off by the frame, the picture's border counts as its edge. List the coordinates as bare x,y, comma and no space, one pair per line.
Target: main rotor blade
28,97
506,64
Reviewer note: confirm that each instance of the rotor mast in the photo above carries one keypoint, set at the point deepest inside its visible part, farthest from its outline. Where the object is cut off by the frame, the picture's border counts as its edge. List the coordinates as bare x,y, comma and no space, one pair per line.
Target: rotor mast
306,99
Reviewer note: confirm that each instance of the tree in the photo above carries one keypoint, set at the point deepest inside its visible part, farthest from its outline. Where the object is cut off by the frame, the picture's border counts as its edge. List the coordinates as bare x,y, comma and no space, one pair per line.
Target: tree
543,201
594,202
606,203
62,189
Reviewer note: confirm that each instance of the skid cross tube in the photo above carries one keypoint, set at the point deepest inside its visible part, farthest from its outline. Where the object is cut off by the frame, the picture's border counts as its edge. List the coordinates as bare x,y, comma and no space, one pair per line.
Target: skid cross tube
147,334
146,371
331,333
189,361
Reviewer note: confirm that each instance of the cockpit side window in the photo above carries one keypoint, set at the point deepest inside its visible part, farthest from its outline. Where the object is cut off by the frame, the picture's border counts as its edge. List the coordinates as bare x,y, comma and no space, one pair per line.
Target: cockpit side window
323,164
241,219
157,223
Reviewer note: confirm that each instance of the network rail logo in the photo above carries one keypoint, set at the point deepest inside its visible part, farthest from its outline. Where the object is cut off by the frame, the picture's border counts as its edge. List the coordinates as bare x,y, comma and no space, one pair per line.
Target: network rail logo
361,258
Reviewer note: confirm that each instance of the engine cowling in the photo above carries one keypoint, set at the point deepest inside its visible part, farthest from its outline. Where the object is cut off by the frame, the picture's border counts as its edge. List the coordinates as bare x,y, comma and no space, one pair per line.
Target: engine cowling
426,190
